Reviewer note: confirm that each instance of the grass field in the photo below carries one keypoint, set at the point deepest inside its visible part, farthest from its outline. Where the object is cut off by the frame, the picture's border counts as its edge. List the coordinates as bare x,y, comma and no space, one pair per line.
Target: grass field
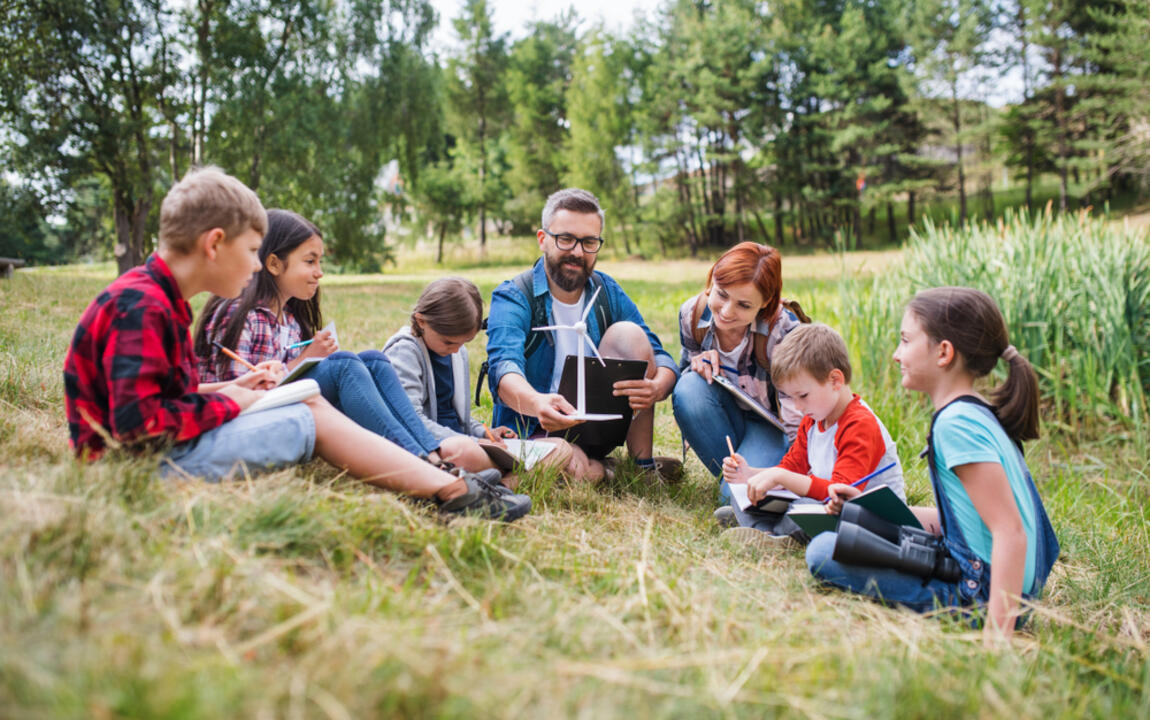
306,594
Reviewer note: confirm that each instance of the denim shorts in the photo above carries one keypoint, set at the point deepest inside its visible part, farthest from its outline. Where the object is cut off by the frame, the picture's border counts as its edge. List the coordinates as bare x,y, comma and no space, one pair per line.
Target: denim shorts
258,441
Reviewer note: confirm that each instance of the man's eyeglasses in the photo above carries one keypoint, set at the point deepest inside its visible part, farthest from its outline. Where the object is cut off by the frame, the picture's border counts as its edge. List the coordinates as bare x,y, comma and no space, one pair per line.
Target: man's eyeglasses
566,241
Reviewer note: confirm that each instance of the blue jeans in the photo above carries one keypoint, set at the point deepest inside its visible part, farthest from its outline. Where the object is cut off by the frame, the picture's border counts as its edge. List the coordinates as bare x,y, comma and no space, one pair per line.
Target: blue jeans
707,415
366,389
885,584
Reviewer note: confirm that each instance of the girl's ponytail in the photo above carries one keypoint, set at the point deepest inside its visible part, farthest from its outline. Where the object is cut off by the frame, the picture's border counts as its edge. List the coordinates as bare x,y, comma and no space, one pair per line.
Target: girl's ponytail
1016,400
970,320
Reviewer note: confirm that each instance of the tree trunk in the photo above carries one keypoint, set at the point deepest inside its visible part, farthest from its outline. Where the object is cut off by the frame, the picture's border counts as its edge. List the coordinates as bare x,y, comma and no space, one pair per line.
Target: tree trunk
910,216
131,221
1060,123
890,227
956,121
1029,171
762,228
439,250
482,177
684,185
778,220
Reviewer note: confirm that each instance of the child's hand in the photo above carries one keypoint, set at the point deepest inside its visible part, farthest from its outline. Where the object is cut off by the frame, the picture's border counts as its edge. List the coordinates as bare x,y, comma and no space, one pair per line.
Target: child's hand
275,369
503,432
758,485
262,378
736,470
322,345
763,481
837,494
242,396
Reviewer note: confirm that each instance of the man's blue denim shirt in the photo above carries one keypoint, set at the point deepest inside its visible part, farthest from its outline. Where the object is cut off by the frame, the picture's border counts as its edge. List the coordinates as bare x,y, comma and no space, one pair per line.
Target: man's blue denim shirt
509,323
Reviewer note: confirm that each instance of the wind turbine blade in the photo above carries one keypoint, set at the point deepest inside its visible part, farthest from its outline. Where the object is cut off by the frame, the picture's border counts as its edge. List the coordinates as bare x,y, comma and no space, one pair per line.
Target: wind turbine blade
596,351
591,304
554,327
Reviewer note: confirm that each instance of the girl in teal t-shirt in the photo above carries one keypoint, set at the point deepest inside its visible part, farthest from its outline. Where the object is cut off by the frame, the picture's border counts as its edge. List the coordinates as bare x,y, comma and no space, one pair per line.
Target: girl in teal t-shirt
989,517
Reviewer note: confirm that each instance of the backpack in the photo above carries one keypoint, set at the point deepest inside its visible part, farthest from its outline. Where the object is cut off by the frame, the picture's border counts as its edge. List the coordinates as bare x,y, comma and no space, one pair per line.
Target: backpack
525,281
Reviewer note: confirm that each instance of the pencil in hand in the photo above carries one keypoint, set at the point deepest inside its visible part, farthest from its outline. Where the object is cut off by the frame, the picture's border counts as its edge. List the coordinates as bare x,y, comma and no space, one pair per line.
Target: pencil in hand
491,436
233,356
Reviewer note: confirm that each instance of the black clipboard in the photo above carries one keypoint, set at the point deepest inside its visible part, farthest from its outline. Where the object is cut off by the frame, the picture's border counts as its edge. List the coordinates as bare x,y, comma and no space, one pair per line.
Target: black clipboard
599,382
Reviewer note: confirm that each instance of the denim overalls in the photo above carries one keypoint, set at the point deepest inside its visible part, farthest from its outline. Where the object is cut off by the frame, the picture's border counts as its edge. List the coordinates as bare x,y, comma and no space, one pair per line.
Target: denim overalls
972,590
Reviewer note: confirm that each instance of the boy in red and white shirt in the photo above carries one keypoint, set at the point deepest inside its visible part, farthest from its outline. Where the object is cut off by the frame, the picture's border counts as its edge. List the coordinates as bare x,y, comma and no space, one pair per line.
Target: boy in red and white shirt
839,441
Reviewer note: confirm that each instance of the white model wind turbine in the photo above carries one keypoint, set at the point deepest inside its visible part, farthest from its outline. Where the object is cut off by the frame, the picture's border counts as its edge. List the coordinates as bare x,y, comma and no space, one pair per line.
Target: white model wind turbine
581,387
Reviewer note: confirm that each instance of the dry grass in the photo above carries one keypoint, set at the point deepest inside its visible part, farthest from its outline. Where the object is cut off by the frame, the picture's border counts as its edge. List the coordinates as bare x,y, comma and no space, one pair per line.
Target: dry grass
304,594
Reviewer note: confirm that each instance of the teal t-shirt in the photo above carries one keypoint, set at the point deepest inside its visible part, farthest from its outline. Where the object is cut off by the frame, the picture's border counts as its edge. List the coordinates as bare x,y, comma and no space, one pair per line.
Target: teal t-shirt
964,434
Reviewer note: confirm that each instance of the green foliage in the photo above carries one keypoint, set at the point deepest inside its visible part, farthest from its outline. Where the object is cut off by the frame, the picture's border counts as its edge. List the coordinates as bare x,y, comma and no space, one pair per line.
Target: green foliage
81,87
538,76
597,128
304,101
442,200
1076,295
477,105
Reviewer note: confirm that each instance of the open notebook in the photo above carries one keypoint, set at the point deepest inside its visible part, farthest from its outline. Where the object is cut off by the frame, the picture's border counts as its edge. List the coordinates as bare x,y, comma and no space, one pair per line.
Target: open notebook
297,391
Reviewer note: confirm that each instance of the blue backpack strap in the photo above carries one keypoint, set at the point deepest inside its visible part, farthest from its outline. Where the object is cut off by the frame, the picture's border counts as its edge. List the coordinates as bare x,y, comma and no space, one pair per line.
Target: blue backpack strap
525,281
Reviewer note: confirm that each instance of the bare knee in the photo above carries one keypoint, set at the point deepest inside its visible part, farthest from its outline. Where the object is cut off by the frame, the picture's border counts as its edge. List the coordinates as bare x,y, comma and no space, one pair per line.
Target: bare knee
465,453
327,418
626,340
583,468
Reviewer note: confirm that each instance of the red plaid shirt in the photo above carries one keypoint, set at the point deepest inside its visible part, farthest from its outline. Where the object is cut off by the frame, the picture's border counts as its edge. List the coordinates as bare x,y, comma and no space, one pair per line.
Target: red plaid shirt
263,338
131,370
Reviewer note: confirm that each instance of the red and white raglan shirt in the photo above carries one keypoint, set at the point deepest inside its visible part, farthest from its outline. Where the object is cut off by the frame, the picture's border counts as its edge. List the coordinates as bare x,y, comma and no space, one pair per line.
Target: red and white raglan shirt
856,445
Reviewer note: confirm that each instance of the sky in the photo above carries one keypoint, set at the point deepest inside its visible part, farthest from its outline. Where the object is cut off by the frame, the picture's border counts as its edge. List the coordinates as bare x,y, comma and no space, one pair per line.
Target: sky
512,15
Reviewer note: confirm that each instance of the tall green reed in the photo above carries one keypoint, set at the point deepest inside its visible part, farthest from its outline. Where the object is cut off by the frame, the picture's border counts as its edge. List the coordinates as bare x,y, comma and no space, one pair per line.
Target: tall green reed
1075,292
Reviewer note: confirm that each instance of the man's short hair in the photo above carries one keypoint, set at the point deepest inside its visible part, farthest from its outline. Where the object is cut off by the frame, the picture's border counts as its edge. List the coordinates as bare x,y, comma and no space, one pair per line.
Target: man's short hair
816,349
573,200
208,198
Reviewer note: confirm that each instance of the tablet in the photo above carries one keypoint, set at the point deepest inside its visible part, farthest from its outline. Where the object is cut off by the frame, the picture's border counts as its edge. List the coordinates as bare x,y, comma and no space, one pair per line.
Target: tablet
750,402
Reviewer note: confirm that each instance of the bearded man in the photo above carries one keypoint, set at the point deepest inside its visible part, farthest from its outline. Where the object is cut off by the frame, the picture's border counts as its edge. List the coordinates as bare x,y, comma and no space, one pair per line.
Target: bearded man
525,366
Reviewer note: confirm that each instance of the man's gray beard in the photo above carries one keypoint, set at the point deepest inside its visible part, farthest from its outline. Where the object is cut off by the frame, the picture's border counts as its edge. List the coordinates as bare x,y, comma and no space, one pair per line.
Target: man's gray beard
565,282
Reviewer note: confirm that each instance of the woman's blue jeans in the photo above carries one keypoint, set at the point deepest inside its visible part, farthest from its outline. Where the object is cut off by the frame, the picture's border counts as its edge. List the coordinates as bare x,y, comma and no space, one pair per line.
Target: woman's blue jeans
707,415
366,389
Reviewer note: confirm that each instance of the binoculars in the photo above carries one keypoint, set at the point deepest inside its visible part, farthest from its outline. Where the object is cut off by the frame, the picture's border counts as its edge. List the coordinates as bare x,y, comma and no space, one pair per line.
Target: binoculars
864,538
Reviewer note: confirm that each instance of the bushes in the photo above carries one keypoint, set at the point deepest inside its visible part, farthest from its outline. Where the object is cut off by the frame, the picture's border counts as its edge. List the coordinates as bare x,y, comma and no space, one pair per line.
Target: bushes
1076,295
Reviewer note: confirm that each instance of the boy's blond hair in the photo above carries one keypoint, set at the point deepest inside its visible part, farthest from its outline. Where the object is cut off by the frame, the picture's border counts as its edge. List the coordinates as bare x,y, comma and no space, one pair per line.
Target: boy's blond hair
205,199
815,349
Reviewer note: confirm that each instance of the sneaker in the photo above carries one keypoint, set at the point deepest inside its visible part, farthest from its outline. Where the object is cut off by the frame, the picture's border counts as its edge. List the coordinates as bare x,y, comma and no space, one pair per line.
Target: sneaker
725,516
487,500
756,539
667,469
494,478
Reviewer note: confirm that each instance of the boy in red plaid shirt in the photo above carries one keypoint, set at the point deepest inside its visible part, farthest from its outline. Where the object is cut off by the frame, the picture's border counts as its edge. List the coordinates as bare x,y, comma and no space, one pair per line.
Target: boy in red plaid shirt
130,375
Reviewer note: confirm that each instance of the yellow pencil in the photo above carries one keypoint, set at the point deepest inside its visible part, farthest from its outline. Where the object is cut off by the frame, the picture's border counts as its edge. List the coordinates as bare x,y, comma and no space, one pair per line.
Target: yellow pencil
729,445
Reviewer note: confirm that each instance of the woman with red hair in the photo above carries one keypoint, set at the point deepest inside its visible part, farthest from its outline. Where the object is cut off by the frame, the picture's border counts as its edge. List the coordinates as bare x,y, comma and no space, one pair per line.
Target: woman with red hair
730,329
